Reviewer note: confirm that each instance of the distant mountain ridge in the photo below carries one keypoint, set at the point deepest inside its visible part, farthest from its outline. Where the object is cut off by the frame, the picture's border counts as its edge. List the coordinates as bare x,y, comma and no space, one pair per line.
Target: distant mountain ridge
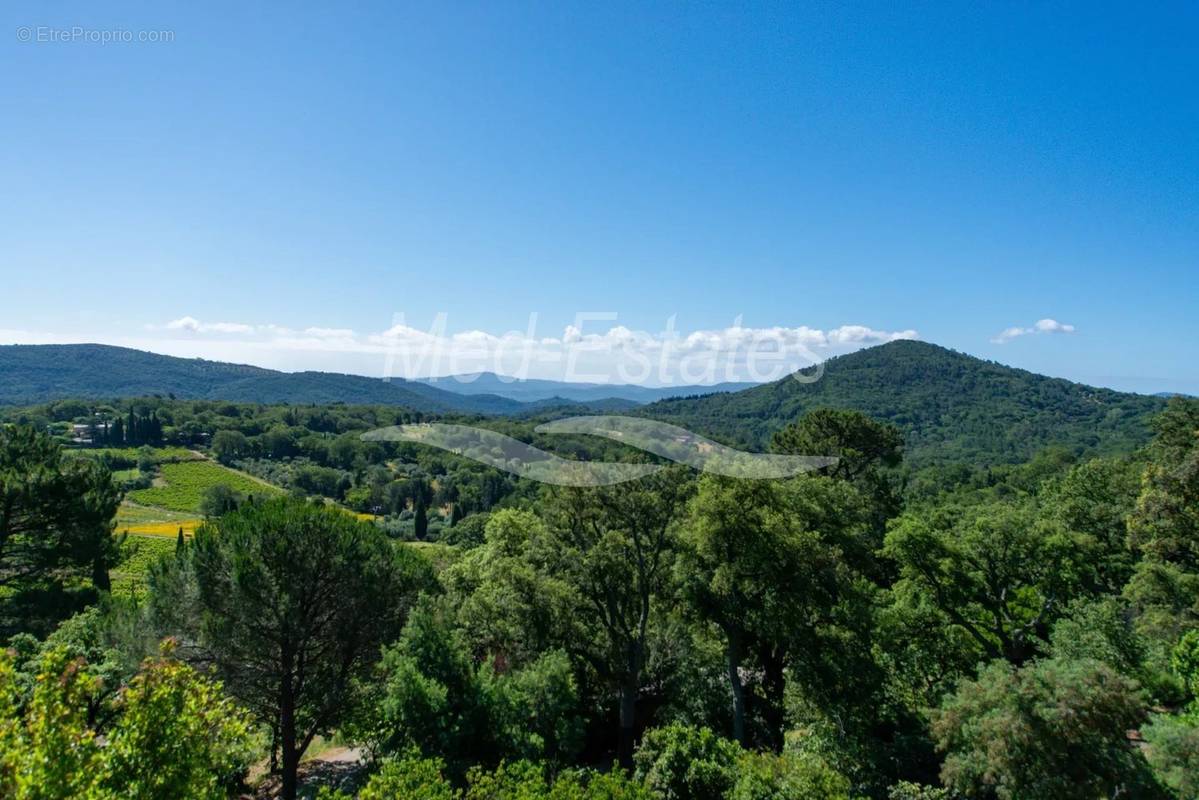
528,390
38,373
952,407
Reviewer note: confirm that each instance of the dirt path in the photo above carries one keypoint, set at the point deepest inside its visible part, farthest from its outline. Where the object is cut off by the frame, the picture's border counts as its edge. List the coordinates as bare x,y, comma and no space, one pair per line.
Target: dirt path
335,767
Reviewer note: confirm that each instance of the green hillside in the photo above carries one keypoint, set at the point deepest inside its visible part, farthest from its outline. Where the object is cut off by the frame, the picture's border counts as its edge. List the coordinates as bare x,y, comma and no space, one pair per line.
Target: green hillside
951,407
38,373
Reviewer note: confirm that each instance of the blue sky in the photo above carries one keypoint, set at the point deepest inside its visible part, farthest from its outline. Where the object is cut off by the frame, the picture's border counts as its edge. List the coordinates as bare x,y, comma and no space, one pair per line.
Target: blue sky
315,169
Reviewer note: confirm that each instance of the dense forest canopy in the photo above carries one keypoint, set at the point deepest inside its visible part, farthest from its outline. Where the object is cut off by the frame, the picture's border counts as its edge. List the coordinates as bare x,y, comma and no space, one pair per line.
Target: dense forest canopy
961,626
950,407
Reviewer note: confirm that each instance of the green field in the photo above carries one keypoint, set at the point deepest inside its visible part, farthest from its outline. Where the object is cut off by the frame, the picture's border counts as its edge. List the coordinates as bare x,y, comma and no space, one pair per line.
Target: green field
185,484
133,514
139,553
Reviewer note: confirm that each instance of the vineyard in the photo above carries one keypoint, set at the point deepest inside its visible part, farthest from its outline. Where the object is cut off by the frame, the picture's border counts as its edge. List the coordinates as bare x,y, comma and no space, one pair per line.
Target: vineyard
153,517
184,484
138,552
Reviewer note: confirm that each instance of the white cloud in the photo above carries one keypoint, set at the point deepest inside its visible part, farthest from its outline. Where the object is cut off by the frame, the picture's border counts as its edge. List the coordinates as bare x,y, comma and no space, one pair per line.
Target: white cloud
400,334
195,326
184,324
1053,326
1041,326
860,334
330,333
591,350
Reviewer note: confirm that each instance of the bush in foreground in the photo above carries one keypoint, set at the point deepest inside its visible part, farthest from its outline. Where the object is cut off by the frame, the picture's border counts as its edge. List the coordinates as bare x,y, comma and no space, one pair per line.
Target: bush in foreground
170,733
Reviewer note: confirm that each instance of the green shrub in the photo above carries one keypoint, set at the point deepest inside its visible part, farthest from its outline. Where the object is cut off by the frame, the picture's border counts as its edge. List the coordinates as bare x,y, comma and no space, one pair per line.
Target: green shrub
791,776
906,790
1173,752
410,776
680,762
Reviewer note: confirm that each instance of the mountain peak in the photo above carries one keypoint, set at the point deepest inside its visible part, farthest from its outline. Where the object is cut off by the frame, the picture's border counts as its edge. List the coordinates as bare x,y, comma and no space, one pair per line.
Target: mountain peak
951,406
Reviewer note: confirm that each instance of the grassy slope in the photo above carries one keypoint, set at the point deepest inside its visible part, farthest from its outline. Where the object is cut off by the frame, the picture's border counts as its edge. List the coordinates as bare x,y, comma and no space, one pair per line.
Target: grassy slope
185,484
153,517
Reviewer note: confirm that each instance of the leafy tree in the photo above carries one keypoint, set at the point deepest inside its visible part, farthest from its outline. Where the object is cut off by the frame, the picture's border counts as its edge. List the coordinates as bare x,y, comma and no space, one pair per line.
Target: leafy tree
109,637
294,601
49,751
543,715
467,532
519,780
1100,630
422,494
769,776
1093,501
430,696
1165,528
906,790
861,444
1185,662
229,445
55,521
409,776
413,777
344,451
219,500
1165,600
169,733
145,459
1172,747
1050,729
510,605
427,696
176,735
767,562
865,449
612,548
1163,592
989,570
1165,524
525,780
678,762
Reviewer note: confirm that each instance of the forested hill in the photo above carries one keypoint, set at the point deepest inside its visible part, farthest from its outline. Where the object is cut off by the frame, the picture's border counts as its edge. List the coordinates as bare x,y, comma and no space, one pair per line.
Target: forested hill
951,407
37,373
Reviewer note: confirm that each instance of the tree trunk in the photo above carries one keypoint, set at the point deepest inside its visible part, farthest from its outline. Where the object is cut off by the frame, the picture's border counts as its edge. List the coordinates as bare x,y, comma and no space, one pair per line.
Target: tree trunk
734,668
774,688
100,578
628,721
274,769
287,737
